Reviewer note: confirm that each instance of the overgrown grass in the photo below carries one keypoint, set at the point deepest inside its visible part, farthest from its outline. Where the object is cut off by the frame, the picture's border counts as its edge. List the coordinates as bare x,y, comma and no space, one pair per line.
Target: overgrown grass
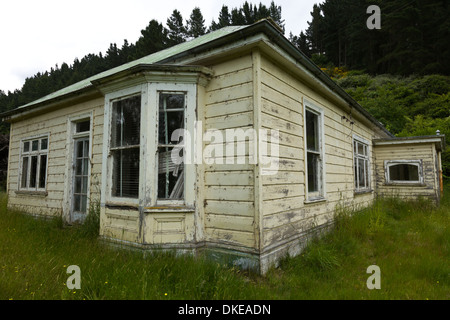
409,241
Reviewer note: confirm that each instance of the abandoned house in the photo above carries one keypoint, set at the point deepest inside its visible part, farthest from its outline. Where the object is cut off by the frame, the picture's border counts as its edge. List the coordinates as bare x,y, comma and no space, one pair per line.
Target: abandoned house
233,143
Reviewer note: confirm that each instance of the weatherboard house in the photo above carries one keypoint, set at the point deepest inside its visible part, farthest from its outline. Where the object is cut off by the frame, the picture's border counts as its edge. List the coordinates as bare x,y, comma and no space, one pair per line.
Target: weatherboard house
233,144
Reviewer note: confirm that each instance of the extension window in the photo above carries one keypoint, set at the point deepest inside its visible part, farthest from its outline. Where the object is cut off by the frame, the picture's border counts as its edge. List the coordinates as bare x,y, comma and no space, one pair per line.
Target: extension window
404,172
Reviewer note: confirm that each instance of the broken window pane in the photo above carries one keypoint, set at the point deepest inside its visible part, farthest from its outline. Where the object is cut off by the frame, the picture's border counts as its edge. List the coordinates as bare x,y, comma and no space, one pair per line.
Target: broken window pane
404,172
171,117
170,176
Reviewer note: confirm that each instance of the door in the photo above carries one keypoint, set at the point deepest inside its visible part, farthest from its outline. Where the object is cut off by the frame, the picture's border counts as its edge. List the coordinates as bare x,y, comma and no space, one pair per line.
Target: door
80,179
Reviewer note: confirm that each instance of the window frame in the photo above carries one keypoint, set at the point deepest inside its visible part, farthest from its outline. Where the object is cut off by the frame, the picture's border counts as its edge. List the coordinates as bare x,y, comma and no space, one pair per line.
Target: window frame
28,154
113,149
367,164
72,135
148,180
416,162
319,195
190,92
166,201
107,166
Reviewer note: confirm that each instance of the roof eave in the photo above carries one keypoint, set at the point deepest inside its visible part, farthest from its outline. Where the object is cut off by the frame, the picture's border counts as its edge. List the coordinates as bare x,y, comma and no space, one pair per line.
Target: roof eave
438,140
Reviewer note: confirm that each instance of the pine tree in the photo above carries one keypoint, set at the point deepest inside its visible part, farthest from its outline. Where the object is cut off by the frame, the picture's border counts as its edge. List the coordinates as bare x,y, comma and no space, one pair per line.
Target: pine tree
176,29
223,21
153,39
196,24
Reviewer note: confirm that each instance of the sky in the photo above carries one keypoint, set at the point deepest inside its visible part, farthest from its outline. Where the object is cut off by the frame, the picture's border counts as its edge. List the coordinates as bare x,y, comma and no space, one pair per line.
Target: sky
37,35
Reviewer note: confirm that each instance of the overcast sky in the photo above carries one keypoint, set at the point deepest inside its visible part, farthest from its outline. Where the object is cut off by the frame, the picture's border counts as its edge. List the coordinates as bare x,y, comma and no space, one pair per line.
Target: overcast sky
36,35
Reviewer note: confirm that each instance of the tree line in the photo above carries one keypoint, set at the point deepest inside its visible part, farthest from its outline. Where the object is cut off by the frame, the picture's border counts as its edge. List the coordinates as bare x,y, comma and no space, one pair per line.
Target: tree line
414,37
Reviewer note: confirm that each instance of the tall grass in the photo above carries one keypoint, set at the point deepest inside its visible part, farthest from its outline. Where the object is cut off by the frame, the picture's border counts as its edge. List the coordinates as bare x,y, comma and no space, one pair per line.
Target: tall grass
409,241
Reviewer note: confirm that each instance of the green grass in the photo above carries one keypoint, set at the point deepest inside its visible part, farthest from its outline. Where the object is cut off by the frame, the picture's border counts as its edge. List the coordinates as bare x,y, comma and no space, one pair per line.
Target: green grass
409,241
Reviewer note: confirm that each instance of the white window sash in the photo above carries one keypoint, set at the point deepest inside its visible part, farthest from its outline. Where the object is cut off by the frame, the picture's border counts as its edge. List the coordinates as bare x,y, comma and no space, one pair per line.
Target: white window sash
29,154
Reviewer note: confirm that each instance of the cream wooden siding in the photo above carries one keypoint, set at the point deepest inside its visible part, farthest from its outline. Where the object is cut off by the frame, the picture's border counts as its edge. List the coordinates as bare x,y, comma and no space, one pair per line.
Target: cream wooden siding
55,125
228,192
285,215
424,152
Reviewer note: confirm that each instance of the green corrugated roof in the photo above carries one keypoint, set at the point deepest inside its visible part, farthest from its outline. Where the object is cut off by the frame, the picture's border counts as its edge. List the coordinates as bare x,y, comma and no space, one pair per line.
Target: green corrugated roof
150,59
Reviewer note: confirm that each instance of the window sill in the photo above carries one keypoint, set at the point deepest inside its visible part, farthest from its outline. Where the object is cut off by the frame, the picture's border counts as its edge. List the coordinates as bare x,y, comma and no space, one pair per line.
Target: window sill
314,200
406,184
169,209
119,205
360,192
31,193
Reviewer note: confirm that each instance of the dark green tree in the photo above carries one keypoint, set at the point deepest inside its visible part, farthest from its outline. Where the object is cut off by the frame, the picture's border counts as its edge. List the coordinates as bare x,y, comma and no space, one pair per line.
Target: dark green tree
153,39
196,24
176,29
224,19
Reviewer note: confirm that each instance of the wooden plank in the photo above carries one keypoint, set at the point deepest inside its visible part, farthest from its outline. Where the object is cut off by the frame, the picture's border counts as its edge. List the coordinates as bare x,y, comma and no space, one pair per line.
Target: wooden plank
232,237
269,121
230,79
238,208
281,205
283,177
271,192
280,98
229,107
233,178
229,222
231,93
282,112
227,193
232,65
230,121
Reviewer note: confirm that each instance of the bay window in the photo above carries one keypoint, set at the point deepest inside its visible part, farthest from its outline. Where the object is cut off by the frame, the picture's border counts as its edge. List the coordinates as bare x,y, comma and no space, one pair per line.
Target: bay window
147,141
